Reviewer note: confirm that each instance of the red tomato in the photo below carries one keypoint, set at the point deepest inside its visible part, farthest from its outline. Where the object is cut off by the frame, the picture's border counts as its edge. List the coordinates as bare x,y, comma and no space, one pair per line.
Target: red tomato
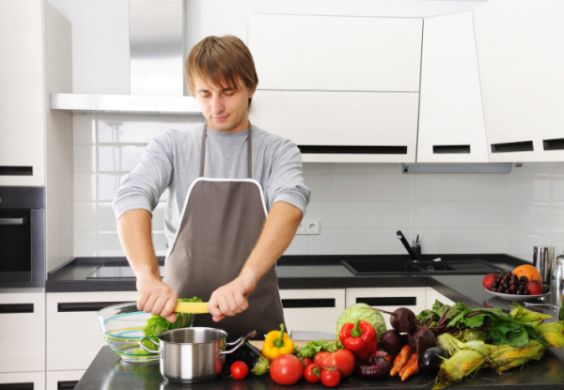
311,373
286,370
330,378
306,361
322,359
239,370
343,360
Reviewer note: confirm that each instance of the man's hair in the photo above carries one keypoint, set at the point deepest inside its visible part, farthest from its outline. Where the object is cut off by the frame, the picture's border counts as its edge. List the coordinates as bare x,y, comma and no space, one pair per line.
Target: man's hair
221,60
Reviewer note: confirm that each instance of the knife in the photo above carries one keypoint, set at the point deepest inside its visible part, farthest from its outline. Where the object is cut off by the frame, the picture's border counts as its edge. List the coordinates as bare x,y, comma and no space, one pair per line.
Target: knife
192,307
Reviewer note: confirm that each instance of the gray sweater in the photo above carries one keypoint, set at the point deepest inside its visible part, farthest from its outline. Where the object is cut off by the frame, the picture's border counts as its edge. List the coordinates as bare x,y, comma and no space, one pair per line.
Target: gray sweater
172,160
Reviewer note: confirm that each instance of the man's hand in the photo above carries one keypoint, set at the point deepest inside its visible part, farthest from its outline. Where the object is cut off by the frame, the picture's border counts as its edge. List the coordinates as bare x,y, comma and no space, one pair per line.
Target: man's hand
156,297
231,298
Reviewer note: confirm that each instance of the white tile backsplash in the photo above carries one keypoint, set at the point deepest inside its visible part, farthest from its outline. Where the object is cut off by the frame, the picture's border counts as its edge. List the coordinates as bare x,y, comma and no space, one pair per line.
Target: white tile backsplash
360,206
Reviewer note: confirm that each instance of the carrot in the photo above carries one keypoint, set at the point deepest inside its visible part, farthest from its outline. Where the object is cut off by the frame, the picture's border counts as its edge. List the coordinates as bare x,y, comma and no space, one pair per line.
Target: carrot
411,367
400,360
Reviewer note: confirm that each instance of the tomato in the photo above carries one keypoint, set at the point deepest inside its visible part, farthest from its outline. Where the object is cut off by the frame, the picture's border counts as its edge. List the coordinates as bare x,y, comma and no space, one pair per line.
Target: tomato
330,378
306,361
322,359
239,370
286,370
311,373
343,360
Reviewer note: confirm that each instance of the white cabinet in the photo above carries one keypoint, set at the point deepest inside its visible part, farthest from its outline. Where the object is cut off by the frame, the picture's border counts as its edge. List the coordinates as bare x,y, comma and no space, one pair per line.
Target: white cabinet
313,310
388,298
73,333
451,121
433,295
23,380
22,339
58,380
521,60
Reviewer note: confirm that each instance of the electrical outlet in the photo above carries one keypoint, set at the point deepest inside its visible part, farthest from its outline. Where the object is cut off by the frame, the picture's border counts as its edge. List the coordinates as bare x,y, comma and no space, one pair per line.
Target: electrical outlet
309,227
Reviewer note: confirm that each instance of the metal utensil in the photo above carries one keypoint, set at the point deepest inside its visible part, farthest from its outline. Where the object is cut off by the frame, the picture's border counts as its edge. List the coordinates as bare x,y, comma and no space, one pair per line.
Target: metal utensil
192,307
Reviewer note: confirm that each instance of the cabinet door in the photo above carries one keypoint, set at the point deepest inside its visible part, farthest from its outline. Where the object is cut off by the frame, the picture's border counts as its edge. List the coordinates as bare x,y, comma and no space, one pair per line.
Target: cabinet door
520,60
451,121
389,298
73,333
23,380
336,53
433,295
63,380
312,310
22,93
342,126
22,319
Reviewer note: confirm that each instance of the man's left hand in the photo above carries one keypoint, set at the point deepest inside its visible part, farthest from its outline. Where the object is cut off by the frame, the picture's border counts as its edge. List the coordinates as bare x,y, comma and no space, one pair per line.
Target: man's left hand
231,298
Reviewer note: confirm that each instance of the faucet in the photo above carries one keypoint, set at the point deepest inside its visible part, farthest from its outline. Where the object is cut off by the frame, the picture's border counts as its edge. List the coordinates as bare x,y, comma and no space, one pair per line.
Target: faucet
414,255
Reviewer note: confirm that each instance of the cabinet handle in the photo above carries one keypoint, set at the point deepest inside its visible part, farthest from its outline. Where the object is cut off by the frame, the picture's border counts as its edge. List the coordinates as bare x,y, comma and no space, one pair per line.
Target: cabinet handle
83,306
451,149
66,385
553,144
6,170
17,386
14,308
308,302
388,301
524,146
12,221
353,149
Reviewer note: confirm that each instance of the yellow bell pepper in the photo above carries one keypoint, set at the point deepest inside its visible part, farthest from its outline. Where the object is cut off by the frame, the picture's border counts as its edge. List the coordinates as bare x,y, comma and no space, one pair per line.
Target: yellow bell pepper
277,343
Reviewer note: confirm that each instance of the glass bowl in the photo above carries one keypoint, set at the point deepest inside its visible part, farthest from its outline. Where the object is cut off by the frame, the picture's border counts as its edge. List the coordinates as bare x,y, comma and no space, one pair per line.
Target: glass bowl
122,327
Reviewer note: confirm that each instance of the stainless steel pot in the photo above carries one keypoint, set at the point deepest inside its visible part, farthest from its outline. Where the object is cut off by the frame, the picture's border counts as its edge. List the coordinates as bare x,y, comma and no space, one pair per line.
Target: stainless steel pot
196,354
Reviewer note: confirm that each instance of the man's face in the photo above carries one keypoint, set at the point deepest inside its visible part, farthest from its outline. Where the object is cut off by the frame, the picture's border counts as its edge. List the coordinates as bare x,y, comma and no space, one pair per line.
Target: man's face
224,108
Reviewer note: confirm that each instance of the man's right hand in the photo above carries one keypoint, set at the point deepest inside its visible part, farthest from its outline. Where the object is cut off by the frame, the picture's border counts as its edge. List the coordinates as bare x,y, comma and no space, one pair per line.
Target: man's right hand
156,297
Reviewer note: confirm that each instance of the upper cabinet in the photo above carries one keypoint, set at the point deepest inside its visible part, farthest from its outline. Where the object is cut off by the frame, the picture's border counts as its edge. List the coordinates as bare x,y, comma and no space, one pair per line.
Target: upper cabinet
521,64
342,88
451,122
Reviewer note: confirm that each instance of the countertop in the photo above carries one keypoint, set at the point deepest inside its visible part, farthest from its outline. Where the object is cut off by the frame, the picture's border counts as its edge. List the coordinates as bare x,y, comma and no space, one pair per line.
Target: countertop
109,372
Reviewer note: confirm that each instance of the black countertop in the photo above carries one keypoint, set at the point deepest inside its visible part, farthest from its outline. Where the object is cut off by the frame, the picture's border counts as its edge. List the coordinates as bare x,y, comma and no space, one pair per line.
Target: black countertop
109,372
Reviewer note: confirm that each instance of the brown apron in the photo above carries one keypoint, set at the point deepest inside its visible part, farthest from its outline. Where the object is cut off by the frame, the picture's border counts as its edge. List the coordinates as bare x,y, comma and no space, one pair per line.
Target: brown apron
219,226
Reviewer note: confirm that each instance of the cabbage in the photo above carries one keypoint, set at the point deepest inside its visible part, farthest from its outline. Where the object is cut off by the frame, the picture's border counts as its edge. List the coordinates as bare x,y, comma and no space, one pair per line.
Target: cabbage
362,311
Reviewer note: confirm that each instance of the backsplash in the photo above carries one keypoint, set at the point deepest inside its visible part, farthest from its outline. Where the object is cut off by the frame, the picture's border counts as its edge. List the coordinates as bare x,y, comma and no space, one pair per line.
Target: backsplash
360,206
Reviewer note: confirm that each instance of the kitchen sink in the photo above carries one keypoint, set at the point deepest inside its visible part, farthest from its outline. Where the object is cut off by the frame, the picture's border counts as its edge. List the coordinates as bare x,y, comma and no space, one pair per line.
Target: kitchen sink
371,266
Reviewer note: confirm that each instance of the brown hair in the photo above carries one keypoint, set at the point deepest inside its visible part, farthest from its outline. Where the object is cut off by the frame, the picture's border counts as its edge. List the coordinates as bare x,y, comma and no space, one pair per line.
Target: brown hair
222,60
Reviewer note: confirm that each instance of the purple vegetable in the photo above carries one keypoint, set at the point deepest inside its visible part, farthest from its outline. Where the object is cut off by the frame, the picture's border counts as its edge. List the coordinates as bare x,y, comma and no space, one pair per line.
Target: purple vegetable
377,366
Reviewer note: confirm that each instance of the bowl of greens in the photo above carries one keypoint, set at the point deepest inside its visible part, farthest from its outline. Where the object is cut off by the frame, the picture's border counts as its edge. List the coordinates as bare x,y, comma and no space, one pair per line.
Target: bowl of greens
124,326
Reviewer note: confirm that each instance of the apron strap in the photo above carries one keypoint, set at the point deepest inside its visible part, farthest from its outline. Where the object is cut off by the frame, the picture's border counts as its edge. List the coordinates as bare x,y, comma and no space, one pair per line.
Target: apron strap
249,151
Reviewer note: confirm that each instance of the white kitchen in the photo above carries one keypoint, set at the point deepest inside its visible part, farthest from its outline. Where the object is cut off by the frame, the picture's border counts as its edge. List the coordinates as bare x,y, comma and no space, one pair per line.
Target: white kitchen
431,134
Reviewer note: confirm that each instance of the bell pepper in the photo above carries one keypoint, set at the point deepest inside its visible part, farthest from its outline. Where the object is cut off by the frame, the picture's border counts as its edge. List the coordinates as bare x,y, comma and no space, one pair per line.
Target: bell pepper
277,343
360,338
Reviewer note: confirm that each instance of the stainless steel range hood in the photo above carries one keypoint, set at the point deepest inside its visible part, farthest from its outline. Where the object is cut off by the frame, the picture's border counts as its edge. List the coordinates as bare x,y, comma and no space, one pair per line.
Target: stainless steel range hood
157,50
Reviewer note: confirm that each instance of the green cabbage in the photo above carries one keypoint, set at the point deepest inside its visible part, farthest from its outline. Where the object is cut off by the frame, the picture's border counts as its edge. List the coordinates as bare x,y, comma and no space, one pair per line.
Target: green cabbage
362,311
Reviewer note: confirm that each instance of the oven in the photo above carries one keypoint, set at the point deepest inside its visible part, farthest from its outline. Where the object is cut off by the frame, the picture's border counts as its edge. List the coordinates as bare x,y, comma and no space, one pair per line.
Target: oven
22,237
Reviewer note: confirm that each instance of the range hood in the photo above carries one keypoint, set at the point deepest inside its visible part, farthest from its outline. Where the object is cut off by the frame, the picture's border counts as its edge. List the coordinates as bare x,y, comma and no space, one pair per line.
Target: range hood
157,50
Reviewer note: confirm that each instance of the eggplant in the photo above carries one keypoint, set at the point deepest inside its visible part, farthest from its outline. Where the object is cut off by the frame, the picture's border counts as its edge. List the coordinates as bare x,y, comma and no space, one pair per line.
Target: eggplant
246,352
431,360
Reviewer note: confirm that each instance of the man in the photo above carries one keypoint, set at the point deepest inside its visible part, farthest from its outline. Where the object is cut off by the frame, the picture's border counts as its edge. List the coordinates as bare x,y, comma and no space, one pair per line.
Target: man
222,245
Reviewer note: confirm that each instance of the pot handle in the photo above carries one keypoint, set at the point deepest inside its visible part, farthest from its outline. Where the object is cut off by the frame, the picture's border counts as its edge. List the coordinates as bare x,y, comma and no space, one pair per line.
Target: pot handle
238,343
143,347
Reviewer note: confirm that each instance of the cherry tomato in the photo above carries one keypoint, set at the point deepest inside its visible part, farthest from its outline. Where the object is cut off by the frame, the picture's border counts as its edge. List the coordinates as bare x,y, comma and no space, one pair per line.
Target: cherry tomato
322,359
330,378
343,360
239,370
311,373
307,361
286,370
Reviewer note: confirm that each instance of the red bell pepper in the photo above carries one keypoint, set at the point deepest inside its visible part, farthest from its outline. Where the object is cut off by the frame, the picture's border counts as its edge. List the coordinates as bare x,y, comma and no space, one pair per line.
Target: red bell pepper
359,338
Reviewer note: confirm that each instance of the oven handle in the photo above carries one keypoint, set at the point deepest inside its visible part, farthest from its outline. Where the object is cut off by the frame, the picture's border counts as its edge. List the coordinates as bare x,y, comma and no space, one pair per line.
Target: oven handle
12,221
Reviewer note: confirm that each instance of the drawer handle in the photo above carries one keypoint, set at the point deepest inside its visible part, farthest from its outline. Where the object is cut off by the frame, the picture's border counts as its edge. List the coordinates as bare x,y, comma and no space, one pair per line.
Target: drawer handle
17,386
15,308
553,144
388,301
12,221
353,149
525,146
68,307
305,303
6,170
66,385
451,149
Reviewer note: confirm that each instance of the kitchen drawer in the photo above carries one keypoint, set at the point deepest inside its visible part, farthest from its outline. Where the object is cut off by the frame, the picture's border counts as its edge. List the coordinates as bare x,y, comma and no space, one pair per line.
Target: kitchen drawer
22,380
433,295
63,380
73,333
312,310
389,298
22,316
